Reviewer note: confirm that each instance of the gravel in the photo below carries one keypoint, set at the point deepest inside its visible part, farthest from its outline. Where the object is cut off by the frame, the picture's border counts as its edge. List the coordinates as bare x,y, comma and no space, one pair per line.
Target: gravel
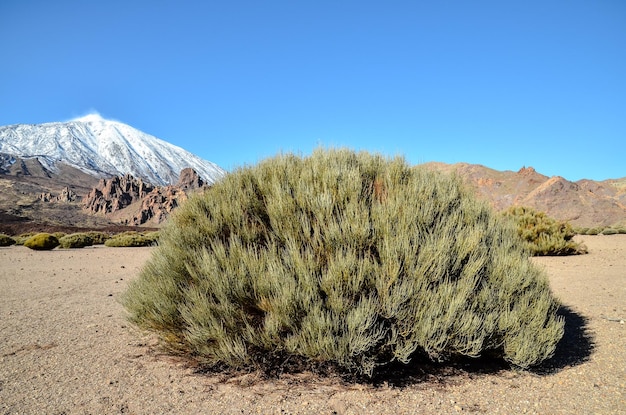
65,348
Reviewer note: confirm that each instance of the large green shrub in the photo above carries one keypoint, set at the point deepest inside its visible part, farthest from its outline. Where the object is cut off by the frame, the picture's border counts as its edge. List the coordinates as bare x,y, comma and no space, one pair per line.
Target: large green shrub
42,242
345,258
75,240
6,240
544,235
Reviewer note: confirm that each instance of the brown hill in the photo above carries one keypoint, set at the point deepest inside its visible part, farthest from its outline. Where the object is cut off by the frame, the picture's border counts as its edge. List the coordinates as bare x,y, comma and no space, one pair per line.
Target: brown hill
584,203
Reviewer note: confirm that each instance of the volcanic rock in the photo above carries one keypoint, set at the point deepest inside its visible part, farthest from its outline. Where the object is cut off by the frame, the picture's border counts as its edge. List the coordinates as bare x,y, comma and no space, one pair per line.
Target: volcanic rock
132,201
67,195
114,194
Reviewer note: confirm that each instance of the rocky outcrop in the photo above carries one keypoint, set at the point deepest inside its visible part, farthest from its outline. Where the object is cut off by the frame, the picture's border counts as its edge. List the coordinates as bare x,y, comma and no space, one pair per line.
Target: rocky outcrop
151,203
190,180
111,195
67,195
157,205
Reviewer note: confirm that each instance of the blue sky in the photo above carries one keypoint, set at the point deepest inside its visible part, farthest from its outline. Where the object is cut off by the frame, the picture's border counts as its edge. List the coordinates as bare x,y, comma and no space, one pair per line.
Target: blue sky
505,84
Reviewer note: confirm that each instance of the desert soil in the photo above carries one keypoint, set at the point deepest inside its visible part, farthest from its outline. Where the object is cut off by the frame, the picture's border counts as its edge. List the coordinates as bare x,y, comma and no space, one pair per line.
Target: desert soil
65,348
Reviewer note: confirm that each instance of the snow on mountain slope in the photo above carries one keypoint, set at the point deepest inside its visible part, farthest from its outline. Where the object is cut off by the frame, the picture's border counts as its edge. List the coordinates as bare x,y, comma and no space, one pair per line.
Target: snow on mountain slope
104,148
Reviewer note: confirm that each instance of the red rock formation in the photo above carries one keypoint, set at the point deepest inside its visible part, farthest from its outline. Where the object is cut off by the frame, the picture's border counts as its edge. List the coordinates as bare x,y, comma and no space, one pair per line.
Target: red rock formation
155,202
158,204
189,180
114,194
67,195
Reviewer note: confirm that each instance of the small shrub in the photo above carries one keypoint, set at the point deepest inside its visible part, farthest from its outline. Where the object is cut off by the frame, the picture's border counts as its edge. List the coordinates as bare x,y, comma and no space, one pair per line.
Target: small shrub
75,240
593,231
98,238
127,233
544,235
344,259
610,231
21,238
580,231
152,236
6,240
42,242
127,239
59,235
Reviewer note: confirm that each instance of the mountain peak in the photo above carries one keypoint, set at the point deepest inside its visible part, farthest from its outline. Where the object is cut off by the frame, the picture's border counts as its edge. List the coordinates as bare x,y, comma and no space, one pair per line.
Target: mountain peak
526,171
103,148
93,117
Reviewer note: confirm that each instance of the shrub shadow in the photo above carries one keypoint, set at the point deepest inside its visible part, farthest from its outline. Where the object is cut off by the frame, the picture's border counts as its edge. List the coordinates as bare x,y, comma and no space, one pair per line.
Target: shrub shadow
573,349
421,370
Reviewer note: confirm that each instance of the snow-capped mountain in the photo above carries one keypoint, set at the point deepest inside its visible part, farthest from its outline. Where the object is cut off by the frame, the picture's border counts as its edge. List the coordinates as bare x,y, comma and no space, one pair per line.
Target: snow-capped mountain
103,148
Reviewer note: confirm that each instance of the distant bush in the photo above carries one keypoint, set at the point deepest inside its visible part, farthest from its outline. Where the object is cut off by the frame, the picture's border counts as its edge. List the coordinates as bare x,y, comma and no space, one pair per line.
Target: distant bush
593,231
127,233
132,239
21,238
6,240
610,231
544,235
42,242
153,236
98,238
59,235
345,259
75,240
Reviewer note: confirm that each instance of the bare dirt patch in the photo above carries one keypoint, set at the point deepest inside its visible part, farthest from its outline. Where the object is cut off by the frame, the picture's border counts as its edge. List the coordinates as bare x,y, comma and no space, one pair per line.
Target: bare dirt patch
66,349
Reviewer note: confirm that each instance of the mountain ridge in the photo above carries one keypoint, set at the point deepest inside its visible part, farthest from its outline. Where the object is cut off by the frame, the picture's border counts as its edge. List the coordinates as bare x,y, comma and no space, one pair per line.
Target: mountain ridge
584,203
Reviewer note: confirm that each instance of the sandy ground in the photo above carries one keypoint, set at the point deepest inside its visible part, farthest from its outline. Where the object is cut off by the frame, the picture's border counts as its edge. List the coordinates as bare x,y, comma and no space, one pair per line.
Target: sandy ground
65,348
